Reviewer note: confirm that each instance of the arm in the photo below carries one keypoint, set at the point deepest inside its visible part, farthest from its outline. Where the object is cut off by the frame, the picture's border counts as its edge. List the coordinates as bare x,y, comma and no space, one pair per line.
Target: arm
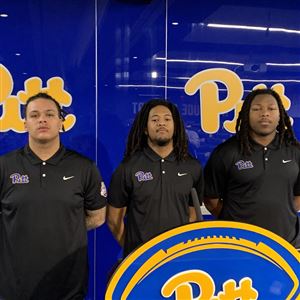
94,218
214,205
297,203
115,221
192,214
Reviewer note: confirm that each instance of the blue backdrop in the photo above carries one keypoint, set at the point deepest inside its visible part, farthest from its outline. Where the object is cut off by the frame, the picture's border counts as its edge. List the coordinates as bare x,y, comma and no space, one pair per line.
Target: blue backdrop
103,58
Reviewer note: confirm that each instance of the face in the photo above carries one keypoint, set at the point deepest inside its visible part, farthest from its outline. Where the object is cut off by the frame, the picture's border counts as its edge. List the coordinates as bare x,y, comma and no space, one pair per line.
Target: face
42,121
264,116
160,126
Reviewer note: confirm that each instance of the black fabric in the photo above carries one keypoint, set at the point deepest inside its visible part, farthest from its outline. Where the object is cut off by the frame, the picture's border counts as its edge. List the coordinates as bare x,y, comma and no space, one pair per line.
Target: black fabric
156,193
43,231
258,189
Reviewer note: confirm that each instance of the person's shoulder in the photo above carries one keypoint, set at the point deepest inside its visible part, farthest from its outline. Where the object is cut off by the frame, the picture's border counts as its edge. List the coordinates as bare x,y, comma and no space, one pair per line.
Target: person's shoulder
128,163
132,159
76,156
294,146
13,153
190,159
230,144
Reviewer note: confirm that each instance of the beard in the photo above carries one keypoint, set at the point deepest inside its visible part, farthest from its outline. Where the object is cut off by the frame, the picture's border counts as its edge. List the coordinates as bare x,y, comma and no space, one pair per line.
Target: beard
161,142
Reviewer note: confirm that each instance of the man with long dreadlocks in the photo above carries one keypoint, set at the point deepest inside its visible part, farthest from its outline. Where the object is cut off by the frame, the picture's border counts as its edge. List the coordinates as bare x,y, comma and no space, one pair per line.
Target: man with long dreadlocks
49,197
254,176
152,186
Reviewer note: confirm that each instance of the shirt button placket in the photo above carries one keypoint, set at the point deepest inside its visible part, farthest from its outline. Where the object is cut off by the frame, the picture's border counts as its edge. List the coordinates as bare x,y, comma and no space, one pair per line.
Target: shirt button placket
43,174
163,178
162,167
266,159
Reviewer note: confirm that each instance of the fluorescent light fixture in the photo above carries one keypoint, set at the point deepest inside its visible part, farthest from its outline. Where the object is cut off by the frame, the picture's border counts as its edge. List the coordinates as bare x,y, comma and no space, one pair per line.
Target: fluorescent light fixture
271,80
284,30
175,23
246,27
154,74
148,86
3,15
200,61
284,65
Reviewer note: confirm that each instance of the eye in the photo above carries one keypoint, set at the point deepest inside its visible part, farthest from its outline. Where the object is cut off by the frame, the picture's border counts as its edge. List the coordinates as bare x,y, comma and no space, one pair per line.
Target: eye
33,116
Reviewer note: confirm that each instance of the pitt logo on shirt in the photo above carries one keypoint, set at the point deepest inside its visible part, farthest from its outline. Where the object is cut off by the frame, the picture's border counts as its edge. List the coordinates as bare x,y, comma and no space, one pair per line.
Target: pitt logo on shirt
143,176
242,165
17,178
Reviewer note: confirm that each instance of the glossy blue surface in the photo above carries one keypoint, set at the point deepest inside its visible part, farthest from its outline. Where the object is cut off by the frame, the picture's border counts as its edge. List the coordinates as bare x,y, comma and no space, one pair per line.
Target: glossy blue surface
115,55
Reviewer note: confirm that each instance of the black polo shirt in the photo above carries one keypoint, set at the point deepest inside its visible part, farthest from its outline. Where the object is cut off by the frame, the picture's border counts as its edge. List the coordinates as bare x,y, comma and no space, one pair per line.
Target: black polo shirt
43,239
258,189
156,192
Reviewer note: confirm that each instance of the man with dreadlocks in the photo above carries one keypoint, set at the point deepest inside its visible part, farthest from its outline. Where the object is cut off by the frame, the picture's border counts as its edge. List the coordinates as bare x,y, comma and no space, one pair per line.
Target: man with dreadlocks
152,186
254,176
49,197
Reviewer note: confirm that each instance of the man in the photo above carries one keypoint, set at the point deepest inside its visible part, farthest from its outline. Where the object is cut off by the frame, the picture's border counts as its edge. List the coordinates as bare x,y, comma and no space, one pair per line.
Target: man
49,197
152,186
254,177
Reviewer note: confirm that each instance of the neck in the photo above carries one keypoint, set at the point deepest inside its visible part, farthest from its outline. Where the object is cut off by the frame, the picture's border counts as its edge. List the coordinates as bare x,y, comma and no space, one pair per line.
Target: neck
44,150
263,140
162,151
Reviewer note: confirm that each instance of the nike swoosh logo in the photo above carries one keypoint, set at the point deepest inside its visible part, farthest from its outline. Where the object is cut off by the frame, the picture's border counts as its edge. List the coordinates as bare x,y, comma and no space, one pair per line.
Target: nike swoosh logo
67,178
181,174
286,161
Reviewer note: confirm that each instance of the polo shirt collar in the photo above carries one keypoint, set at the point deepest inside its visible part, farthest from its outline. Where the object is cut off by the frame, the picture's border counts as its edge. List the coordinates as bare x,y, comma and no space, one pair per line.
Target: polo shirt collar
34,159
155,157
273,145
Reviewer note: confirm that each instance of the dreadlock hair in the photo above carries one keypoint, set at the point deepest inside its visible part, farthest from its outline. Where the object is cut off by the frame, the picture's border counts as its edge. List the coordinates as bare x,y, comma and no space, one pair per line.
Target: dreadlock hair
137,139
284,128
61,112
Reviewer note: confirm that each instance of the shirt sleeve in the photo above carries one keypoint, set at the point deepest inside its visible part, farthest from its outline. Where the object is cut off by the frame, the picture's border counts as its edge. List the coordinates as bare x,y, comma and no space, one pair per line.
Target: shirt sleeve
215,176
118,195
94,191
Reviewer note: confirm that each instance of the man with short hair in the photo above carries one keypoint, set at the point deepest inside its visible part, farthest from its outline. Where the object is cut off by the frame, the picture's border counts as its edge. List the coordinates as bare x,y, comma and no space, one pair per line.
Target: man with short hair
49,197
254,177
152,186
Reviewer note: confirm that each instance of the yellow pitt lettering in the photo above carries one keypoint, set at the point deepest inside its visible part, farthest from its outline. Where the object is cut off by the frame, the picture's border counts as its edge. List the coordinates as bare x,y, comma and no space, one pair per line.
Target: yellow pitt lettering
11,118
211,107
180,285
11,115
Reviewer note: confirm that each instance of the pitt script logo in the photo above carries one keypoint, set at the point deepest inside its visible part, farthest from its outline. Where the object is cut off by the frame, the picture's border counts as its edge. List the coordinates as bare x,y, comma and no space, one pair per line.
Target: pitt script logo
17,178
11,105
143,176
242,165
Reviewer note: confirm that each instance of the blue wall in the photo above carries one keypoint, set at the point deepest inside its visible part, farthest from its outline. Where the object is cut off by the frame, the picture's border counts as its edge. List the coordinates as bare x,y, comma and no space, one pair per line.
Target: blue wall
103,59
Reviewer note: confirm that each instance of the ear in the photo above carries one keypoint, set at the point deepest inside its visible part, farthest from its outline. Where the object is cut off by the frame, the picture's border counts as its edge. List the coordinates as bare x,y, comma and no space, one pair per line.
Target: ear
146,131
25,125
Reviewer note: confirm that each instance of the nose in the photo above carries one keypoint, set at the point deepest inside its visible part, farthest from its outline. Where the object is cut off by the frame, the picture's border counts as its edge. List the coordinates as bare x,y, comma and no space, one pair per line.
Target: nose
265,112
161,123
42,119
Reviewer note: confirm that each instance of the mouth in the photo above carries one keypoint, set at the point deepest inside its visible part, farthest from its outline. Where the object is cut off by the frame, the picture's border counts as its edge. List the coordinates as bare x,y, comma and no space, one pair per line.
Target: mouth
43,128
265,122
161,130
